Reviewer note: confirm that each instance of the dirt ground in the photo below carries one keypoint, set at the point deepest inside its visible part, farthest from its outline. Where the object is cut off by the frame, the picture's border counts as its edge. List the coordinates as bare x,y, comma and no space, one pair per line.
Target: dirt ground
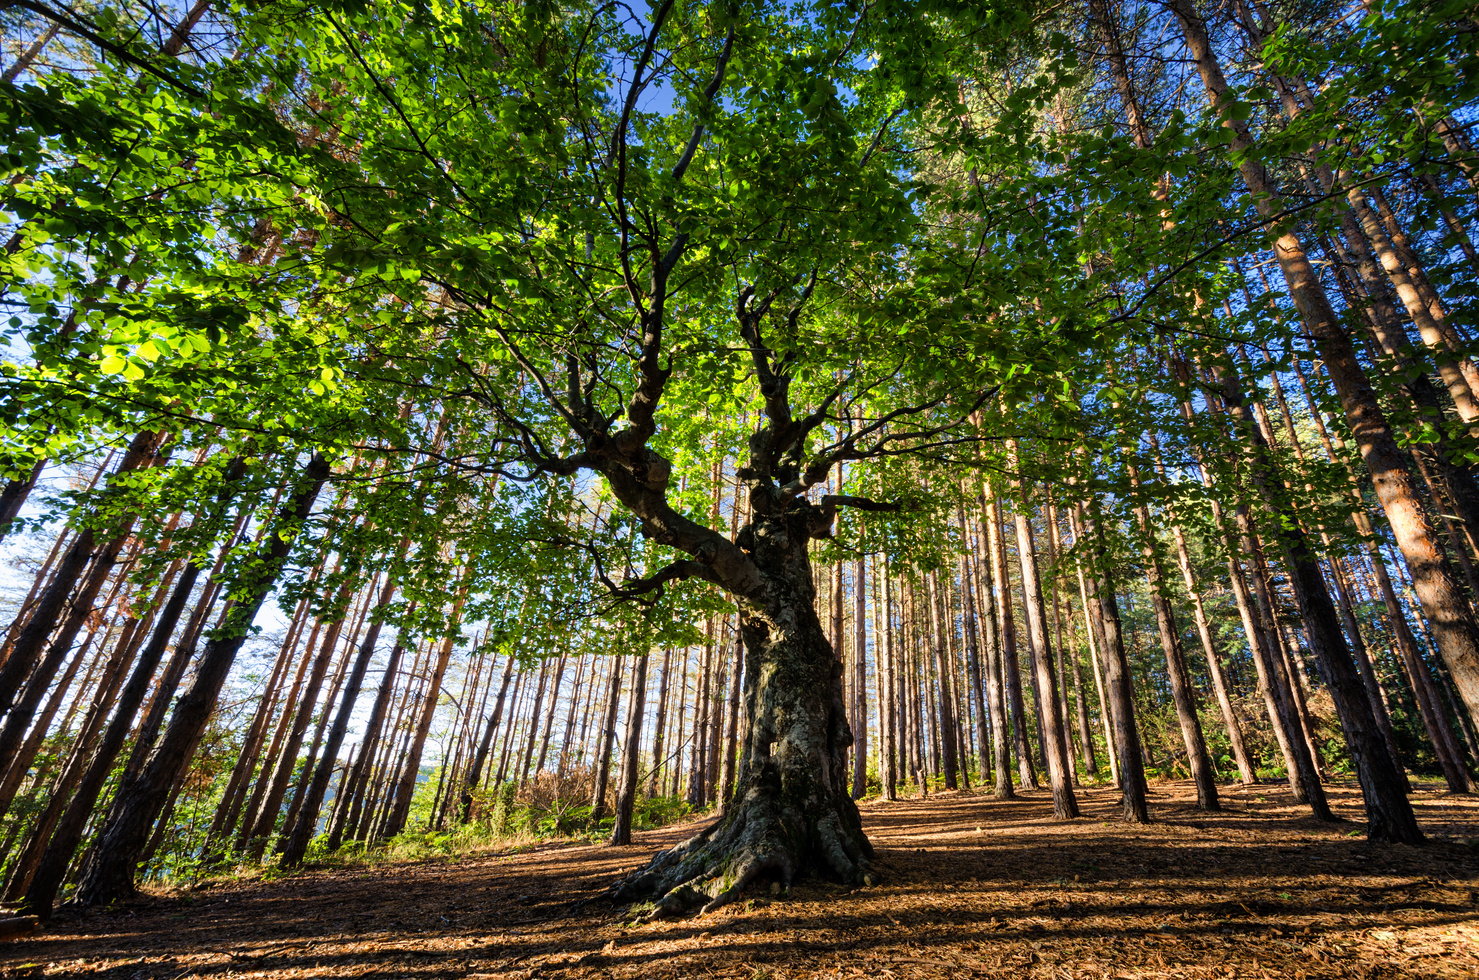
971,888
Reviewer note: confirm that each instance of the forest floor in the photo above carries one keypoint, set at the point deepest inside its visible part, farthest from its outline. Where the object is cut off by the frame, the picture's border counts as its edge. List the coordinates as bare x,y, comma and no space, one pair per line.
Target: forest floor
972,887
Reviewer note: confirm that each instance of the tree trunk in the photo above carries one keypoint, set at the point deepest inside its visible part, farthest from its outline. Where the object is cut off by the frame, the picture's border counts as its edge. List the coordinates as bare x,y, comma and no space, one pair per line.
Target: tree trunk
554,709
352,791
860,681
109,875
1430,708
85,566
1069,661
659,723
792,814
1442,599
1094,631
1383,787
945,714
732,742
1007,629
399,807
51,867
14,496
1100,589
888,686
305,821
996,704
971,628
1247,771
604,739
1183,694
1050,718
474,776
626,790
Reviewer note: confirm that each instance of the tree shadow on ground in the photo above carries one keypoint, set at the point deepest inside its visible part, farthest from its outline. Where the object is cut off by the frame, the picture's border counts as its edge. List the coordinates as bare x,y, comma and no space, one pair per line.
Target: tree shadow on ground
972,887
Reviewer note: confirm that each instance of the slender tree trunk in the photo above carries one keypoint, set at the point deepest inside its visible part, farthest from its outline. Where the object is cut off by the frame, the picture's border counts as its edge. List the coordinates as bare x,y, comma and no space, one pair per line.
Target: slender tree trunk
1382,784
1247,770
473,779
1065,805
888,701
549,716
1094,631
44,881
1437,589
520,690
582,680
63,607
1008,631
860,681
605,738
399,807
353,790
1065,649
732,743
945,706
971,629
16,492
300,831
659,724
1101,595
626,791
110,873
1183,694
996,703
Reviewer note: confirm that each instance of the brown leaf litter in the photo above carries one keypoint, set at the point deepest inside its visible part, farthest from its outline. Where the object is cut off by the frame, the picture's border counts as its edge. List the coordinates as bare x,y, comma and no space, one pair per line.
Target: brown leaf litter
971,887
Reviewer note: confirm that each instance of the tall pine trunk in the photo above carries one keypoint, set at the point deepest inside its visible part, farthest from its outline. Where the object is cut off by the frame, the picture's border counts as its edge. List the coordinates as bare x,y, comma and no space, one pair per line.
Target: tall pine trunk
109,874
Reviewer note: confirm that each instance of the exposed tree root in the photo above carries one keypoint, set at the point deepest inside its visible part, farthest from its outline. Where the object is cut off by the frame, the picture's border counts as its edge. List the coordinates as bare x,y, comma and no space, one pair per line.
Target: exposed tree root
758,840
792,817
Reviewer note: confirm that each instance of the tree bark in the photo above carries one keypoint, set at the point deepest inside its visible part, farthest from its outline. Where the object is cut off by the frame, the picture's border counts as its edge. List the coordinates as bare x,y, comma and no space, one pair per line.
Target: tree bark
605,736
399,807
1100,590
1006,627
792,814
352,791
473,779
888,700
1183,694
59,613
1383,787
971,627
1442,598
626,791
42,886
1055,751
860,681
300,832
945,706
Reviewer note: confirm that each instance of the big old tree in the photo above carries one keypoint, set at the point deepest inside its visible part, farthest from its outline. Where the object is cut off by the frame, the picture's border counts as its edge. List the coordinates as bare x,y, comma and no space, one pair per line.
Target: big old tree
606,242
497,261
603,249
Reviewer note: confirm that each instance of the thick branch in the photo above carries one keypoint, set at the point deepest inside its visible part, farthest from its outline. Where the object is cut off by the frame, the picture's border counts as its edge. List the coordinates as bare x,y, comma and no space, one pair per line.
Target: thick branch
653,585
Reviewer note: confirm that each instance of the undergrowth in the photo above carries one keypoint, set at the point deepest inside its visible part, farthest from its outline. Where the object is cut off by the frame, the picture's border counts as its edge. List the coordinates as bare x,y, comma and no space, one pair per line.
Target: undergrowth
505,819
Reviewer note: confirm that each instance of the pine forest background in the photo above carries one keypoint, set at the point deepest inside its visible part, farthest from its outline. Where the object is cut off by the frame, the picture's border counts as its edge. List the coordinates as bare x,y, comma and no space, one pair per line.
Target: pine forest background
392,390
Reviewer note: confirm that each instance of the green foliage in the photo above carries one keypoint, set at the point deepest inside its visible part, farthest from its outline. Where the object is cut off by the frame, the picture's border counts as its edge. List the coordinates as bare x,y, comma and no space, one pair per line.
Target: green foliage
492,261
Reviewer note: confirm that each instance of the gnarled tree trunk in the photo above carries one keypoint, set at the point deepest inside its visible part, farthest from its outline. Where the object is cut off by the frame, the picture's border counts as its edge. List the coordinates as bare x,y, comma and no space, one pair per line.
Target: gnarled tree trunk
791,815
